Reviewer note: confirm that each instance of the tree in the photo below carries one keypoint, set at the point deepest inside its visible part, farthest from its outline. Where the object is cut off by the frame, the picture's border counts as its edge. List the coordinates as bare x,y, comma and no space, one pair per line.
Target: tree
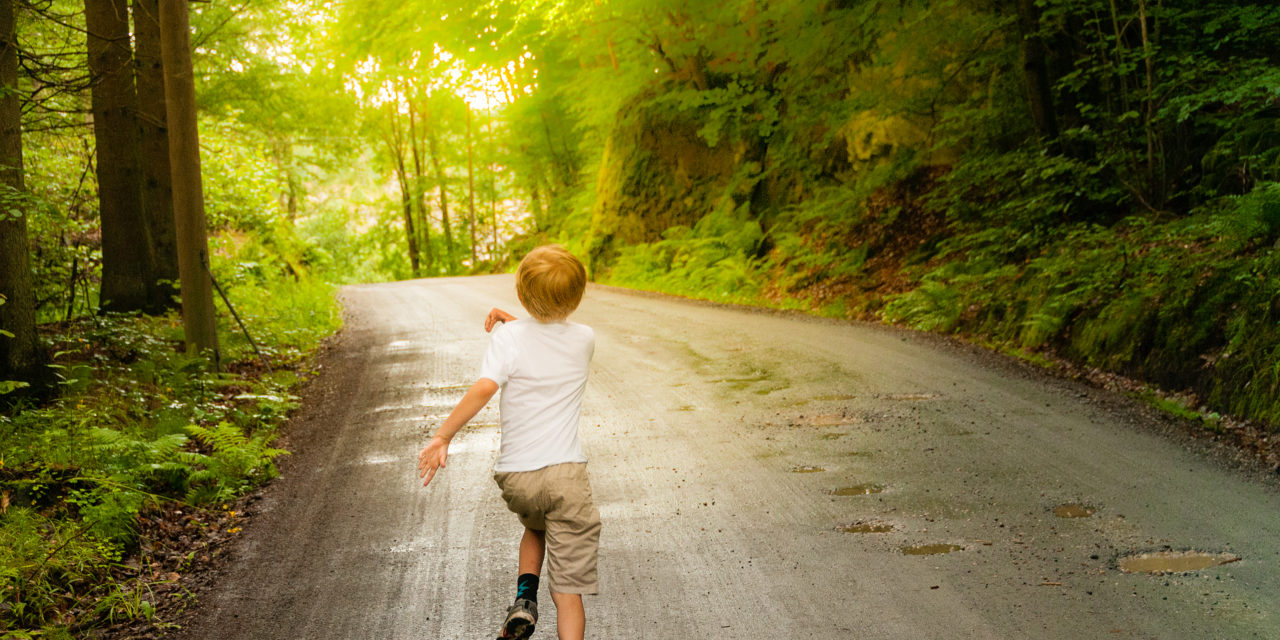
153,137
442,189
188,194
128,265
20,357
420,196
471,187
395,146
1035,71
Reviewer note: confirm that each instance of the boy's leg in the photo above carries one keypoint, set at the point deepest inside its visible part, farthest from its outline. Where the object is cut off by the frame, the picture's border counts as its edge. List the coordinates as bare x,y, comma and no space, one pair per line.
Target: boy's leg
571,617
533,546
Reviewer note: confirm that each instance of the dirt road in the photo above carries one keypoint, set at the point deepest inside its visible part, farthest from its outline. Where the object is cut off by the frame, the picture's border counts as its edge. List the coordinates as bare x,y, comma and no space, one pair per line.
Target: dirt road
719,440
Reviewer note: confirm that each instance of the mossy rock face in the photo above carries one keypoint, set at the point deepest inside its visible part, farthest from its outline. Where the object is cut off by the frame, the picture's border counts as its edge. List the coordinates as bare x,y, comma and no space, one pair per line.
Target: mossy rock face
655,173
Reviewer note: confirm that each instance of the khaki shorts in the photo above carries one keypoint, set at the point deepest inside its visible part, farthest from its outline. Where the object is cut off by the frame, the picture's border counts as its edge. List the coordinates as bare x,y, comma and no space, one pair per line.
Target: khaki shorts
557,500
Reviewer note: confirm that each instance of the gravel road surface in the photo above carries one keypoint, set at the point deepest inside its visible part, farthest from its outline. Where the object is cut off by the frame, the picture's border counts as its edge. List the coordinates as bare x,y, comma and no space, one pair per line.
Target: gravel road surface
720,442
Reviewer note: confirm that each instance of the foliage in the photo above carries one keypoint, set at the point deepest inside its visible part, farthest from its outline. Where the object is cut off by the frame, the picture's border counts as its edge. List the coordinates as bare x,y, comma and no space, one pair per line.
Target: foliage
715,259
137,425
1132,235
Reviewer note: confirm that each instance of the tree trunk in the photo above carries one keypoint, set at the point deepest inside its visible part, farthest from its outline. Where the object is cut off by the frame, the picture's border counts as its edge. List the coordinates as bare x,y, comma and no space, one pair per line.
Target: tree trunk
420,193
188,192
471,188
1035,71
493,187
20,356
1155,174
153,142
127,264
535,204
440,185
283,152
395,144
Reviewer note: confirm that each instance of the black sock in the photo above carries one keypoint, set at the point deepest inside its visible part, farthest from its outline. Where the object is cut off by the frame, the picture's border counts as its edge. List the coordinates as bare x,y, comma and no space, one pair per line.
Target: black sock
527,587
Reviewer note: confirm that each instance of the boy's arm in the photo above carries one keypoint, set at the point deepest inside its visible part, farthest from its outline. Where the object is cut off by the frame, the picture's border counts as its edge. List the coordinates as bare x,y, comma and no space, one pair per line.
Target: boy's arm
433,455
495,316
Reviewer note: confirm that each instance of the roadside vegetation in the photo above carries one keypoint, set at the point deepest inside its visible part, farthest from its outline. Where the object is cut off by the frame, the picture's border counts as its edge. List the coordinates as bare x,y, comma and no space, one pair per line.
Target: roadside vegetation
1097,182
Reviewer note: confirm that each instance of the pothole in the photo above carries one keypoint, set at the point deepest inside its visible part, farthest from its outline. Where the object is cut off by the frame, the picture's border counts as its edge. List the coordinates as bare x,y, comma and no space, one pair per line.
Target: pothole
906,397
807,468
864,489
1074,510
1174,561
931,549
823,420
865,527
835,397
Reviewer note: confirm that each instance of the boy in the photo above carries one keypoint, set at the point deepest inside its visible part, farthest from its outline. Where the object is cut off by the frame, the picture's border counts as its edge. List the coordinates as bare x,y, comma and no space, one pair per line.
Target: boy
541,367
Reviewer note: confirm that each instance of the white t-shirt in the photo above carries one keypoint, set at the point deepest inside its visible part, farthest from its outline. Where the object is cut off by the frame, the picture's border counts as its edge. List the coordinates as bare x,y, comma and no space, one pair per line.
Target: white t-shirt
542,370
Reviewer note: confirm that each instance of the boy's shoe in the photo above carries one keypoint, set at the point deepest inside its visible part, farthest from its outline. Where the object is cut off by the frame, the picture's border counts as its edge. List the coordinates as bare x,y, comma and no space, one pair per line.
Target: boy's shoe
521,618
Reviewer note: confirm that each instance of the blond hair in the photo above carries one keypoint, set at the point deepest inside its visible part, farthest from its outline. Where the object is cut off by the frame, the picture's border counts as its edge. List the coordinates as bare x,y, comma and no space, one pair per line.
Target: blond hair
550,282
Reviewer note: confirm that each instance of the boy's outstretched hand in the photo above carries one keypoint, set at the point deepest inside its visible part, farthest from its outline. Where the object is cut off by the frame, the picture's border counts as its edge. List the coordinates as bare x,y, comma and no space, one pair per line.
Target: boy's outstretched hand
431,458
495,316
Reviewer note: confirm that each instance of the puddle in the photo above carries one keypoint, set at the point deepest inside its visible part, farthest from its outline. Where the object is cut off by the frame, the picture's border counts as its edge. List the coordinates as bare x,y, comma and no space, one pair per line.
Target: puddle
805,468
836,397
931,549
824,420
742,383
1074,510
864,489
767,391
910,396
1174,561
865,527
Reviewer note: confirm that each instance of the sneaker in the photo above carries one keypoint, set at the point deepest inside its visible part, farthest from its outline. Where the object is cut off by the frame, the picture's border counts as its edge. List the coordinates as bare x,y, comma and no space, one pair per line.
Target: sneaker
520,620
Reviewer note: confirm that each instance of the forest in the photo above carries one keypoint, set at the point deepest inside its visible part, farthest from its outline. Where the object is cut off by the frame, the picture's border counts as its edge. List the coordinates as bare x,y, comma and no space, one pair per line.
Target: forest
1086,184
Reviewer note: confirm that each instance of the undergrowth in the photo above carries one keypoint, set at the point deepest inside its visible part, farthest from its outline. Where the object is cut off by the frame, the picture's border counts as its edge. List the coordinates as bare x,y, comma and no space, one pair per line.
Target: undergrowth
136,428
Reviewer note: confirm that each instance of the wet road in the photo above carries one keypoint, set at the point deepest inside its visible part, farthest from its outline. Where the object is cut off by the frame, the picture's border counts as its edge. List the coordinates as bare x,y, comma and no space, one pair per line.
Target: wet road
719,442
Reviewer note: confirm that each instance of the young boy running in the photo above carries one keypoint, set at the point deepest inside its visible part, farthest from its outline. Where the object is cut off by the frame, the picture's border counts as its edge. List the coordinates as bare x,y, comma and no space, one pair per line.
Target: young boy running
541,367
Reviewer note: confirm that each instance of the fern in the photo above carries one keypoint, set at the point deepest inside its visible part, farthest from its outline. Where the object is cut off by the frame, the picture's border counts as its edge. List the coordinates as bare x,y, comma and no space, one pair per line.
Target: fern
237,462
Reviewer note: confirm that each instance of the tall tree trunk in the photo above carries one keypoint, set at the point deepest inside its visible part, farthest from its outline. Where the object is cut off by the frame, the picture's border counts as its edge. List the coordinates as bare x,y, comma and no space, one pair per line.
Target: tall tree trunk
153,142
535,204
283,154
1035,71
441,186
420,193
1155,174
471,188
20,357
395,143
493,187
188,192
127,262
